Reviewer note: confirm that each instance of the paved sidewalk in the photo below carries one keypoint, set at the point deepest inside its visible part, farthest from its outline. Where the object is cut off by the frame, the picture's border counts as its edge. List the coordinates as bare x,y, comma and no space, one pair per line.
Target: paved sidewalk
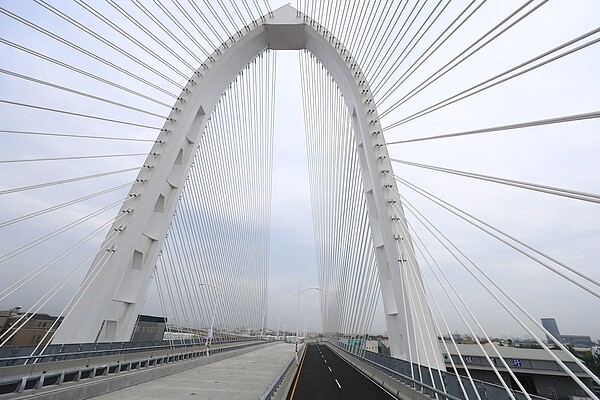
243,377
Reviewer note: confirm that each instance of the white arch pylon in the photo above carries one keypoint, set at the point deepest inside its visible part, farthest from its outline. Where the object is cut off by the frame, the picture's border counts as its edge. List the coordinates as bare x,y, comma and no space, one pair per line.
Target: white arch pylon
108,309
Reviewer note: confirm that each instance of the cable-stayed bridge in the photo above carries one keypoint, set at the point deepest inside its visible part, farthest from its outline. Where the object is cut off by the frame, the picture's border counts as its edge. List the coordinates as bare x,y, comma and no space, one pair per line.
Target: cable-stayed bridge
141,174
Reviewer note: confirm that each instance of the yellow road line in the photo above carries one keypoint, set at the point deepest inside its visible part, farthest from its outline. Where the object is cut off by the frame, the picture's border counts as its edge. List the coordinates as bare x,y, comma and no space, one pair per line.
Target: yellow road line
298,375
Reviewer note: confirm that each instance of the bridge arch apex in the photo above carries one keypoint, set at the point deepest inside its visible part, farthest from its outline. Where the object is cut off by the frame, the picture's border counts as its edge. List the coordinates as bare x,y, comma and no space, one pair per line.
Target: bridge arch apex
120,274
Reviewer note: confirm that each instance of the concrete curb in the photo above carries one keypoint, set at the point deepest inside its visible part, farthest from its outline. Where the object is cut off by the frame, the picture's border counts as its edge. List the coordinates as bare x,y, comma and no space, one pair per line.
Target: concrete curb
286,384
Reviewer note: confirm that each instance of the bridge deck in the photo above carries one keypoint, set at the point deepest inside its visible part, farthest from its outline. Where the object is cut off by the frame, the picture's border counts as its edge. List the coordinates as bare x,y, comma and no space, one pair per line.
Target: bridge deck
246,376
324,375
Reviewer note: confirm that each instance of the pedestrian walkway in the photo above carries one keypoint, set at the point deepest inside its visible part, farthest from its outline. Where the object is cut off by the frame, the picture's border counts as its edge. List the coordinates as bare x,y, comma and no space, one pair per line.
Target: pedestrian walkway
246,376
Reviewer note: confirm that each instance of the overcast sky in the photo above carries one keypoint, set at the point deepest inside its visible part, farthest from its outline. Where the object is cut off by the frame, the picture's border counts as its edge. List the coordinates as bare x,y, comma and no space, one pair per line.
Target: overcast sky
563,155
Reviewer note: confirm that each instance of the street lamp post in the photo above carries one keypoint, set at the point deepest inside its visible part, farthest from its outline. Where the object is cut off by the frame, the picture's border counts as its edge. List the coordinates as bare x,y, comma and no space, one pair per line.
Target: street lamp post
278,326
214,315
278,322
298,295
263,323
306,321
263,314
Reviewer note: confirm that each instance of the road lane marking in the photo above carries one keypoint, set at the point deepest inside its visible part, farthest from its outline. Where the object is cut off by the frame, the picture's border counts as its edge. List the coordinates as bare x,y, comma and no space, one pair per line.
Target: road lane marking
330,369
336,381
366,376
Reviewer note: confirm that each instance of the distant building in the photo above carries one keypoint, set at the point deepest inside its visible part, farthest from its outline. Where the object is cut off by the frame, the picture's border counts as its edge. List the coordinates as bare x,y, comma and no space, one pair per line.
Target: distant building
149,328
552,327
467,340
537,370
372,346
27,329
354,342
576,340
572,340
383,347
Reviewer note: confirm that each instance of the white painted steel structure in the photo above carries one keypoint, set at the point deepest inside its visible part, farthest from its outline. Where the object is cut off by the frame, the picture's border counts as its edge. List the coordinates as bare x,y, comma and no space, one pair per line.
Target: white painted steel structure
108,311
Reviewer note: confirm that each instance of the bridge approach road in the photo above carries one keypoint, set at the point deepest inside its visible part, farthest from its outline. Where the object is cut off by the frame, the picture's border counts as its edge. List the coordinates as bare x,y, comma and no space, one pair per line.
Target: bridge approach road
324,375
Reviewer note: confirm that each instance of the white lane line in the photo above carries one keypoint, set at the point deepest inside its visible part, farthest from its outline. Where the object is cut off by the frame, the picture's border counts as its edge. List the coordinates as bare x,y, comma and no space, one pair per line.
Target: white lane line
330,369
336,381
325,361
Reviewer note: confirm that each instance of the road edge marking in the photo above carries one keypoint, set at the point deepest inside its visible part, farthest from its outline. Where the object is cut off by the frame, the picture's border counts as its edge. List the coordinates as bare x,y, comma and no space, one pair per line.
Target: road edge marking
298,374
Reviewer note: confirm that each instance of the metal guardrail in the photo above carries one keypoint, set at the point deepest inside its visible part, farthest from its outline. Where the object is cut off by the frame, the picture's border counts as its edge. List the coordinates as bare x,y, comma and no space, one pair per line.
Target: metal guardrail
275,385
12,356
38,381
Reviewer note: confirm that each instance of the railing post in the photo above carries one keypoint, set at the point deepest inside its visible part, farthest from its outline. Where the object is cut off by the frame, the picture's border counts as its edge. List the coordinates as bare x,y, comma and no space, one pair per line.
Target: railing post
40,383
22,384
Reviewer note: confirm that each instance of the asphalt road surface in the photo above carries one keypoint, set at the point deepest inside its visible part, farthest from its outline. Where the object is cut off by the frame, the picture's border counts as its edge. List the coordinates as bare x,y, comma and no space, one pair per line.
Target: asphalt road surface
324,375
